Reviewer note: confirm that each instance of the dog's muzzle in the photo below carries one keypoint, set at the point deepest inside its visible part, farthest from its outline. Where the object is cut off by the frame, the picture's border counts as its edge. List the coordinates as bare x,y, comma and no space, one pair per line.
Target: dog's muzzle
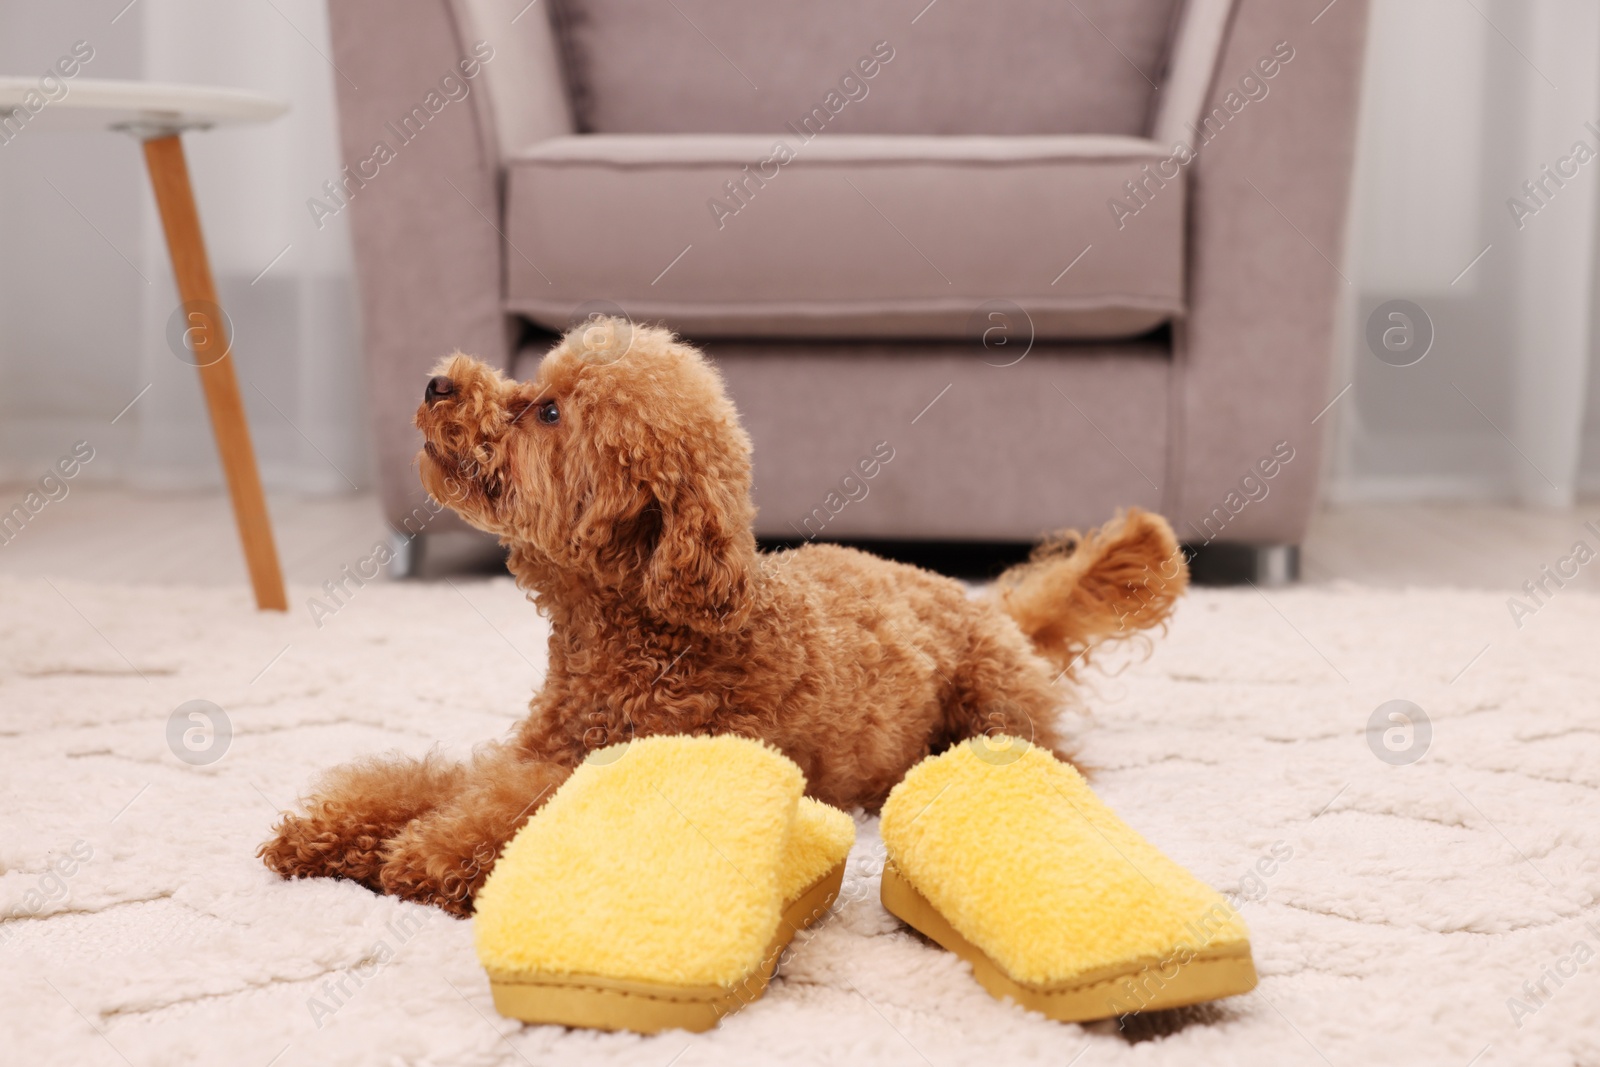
438,387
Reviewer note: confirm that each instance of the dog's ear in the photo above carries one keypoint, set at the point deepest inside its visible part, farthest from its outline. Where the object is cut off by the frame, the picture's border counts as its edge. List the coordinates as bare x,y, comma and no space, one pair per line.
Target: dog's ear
704,557
679,532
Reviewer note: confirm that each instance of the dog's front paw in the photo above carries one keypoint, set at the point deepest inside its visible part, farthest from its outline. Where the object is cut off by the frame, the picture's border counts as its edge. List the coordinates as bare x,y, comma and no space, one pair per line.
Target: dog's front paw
428,865
353,811
320,846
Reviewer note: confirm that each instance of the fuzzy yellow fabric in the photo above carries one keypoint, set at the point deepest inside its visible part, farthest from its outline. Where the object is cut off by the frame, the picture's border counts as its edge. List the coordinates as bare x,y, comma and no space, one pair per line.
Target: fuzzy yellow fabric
822,836
1013,849
660,865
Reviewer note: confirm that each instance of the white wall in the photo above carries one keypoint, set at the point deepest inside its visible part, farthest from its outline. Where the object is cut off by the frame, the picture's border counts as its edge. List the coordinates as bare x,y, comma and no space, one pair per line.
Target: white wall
85,298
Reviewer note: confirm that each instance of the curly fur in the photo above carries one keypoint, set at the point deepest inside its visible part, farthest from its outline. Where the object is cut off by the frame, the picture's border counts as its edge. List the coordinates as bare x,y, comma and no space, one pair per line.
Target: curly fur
628,518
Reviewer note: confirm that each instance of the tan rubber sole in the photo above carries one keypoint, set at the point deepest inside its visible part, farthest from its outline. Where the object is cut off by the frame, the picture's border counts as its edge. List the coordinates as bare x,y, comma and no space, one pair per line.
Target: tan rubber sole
649,1007
1140,985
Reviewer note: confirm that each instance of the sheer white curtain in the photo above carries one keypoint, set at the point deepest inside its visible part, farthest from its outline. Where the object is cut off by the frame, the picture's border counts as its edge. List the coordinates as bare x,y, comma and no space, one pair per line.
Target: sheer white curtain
86,290
1465,104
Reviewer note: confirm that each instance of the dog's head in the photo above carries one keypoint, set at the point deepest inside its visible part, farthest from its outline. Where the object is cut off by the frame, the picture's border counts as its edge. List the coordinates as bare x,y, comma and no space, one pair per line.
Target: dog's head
622,462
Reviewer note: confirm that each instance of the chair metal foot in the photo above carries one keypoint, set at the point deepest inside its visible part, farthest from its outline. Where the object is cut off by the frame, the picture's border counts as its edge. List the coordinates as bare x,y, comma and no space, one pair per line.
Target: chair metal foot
1232,564
1277,564
405,554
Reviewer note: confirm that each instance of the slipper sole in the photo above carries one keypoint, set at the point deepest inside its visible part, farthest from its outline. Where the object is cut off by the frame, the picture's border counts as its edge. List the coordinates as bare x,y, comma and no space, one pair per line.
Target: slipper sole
603,1003
1137,985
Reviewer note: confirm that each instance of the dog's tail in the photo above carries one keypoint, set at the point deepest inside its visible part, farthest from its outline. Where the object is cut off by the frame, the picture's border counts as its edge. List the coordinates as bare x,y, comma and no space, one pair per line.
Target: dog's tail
1078,591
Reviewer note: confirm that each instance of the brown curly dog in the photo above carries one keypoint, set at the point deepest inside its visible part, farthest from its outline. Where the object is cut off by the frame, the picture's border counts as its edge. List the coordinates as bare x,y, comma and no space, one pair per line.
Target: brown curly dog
619,479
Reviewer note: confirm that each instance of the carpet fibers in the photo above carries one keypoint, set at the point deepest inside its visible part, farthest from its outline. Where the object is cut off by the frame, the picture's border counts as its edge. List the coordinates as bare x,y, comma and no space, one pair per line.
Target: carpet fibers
1432,910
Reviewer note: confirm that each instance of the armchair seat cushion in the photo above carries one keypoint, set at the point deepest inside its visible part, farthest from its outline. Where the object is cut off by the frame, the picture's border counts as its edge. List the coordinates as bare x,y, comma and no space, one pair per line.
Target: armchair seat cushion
846,235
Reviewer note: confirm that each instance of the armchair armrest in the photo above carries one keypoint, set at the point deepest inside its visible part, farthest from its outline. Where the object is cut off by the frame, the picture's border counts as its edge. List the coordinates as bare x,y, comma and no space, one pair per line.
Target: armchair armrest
420,144
1267,221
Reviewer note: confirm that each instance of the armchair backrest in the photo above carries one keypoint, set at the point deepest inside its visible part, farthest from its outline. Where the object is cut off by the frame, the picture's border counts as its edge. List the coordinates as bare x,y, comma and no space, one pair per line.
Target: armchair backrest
948,67
945,67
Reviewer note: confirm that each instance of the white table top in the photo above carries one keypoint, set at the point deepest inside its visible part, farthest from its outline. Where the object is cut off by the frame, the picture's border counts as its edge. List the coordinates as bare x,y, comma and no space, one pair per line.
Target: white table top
142,108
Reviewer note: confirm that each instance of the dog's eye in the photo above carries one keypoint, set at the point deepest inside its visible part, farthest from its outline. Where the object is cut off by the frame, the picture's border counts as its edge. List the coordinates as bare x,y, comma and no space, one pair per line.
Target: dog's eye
548,413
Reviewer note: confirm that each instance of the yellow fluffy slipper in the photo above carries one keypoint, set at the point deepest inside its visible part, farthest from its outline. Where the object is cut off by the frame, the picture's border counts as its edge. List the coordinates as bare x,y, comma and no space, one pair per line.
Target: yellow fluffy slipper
659,885
999,852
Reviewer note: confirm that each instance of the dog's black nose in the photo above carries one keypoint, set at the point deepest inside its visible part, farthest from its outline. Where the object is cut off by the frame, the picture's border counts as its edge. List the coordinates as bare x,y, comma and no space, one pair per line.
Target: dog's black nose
438,386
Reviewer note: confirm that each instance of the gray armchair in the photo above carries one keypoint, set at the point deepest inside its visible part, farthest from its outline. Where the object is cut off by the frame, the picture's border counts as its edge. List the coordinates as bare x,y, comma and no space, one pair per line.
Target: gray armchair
1026,261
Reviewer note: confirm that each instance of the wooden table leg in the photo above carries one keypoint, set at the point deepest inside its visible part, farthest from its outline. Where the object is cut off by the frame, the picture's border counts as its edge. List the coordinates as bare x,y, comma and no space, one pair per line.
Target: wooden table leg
169,176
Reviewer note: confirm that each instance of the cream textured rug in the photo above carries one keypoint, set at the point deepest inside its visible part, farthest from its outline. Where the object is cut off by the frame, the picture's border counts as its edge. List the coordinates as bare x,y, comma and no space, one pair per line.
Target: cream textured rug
1438,911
